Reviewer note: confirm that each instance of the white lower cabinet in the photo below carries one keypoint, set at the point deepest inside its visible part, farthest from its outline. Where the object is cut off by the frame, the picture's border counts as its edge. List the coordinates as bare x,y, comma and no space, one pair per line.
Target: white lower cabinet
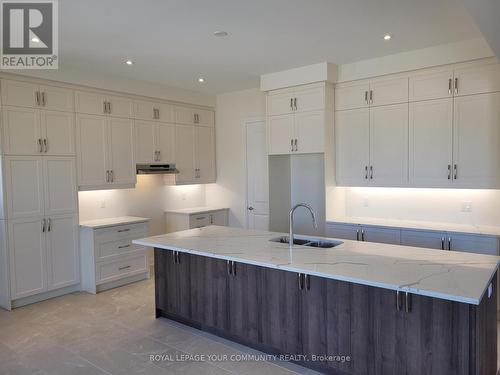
428,239
363,233
183,219
108,256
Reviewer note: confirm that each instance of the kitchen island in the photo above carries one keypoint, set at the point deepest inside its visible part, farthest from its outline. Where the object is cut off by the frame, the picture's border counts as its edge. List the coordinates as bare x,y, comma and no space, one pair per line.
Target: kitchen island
357,308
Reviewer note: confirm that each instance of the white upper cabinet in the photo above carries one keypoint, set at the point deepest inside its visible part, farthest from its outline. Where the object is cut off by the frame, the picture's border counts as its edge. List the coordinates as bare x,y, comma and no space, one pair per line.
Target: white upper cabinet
100,104
145,142
58,132
24,94
376,92
165,142
477,79
60,186
205,155
352,145
185,139
389,145
430,151
194,116
296,119
431,84
144,110
120,152
92,148
476,140
22,134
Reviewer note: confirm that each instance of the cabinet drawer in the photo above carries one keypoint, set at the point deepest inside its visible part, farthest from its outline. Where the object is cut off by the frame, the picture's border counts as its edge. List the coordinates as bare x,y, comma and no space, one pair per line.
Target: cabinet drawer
121,232
109,271
198,221
106,250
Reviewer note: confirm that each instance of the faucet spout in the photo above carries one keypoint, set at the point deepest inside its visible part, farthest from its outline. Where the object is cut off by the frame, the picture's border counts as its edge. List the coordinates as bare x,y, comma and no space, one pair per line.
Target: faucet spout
292,211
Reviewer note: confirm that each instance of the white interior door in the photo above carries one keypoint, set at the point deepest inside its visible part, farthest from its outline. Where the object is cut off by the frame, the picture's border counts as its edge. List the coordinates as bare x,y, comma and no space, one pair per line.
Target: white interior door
60,186
121,151
58,130
257,176
62,251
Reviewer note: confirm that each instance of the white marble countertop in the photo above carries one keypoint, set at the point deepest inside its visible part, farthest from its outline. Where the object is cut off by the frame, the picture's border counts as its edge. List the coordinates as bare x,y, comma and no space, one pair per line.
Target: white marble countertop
196,210
450,275
489,230
112,221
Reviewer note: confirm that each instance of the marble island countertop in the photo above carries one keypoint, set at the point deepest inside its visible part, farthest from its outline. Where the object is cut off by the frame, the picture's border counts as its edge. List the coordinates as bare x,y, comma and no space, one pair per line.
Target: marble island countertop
450,275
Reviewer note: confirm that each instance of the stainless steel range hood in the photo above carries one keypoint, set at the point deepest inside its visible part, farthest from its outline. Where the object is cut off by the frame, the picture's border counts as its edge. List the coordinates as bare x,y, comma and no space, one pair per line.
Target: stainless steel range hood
156,169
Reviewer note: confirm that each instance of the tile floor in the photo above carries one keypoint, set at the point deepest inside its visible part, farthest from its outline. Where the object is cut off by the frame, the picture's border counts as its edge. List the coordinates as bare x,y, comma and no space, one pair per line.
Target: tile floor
114,332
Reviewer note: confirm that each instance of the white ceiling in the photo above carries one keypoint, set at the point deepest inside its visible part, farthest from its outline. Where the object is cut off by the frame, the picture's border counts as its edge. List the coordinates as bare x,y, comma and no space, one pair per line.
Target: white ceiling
172,42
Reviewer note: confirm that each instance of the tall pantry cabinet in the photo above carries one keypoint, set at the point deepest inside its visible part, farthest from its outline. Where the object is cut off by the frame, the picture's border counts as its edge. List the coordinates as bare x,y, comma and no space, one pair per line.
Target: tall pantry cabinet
39,231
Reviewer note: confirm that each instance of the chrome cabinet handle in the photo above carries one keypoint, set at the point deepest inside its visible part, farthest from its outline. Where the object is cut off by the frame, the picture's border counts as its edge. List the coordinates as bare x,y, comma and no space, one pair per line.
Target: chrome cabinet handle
233,268
398,300
291,104
295,103
123,268
456,85
43,98
228,264
357,234
449,243
362,234
123,230
407,302
124,246
49,225
449,171
43,225
371,96
109,107
291,145
296,147
301,283
37,97
308,282
112,175
104,107
45,145
371,172
455,171
201,218
40,146
174,257
442,243
449,85
159,155
366,172
366,97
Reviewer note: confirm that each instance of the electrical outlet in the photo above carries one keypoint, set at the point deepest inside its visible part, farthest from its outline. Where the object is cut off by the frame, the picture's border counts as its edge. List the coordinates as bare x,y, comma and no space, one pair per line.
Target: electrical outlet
103,204
466,206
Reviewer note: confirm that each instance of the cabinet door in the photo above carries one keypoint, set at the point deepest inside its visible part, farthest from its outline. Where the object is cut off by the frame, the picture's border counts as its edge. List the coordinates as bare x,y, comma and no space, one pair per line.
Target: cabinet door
218,218
476,134
428,239
90,103
205,154
58,130
280,103
121,151
471,243
21,131
280,311
185,156
58,98
389,145
120,107
352,144
166,281
17,93
310,132
184,115
165,142
381,235
144,110
183,284
24,186
280,134
431,84
166,112
343,231
431,127
477,79
309,99
62,251
27,255
386,91
243,303
205,117
145,146
91,144
351,95
60,186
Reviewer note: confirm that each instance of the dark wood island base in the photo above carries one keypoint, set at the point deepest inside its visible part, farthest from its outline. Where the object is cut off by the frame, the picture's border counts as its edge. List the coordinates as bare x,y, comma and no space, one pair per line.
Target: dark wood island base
380,331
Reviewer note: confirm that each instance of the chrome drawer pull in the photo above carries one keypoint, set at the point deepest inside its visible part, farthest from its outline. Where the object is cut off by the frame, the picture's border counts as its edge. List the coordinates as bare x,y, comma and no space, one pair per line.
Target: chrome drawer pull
123,268
123,230
124,246
201,218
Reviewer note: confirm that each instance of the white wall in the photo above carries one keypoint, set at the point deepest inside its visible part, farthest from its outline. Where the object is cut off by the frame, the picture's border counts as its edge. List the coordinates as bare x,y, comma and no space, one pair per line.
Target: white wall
149,199
439,205
231,110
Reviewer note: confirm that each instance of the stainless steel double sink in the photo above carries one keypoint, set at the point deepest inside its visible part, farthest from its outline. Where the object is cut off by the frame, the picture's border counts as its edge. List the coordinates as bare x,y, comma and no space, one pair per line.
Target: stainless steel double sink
311,242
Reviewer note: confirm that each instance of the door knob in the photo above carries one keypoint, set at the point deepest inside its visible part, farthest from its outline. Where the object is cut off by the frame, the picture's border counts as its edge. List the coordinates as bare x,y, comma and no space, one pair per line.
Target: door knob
250,208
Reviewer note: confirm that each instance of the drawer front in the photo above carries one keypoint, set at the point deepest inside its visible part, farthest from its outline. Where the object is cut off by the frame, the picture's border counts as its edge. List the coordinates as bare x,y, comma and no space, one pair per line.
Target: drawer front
120,232
198,221
109,271
107,250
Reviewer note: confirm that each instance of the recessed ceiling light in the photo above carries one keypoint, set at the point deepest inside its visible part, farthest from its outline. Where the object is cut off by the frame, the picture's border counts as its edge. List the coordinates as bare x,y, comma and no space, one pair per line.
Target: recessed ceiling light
220,33
387,37
129,62
35,40
201,79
